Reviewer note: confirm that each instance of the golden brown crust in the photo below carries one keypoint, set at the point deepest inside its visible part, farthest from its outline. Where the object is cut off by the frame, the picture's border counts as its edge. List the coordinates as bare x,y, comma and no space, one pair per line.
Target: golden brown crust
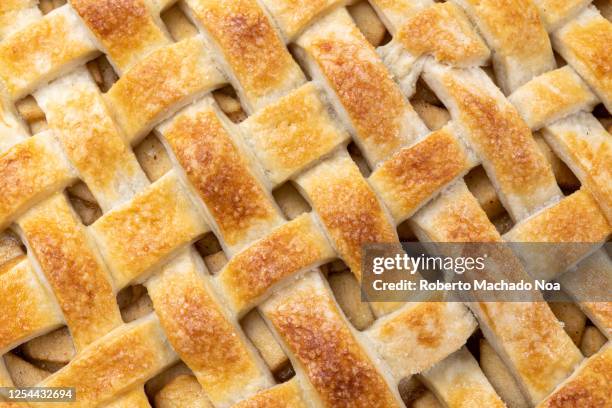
576,223
293,132
12,5
75,109
348,208
555,12
589,387
76,274
584,43
576,218
396,12
588,283
16,14
139,234
289,249
516,62
414,174
459,382
11,263
502,263
420,335
146,231
202,335
27,308
160,84
499,134
552,96
585,146
443,31
533,343
374,104
125,28
287,395
456,216
310,325
42,50
124,358
251,47
30,171
362,84
220,174
293,16
500,138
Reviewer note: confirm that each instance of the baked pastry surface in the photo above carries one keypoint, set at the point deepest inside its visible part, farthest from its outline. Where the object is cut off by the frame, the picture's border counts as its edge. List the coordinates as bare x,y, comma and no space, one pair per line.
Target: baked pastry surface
186,189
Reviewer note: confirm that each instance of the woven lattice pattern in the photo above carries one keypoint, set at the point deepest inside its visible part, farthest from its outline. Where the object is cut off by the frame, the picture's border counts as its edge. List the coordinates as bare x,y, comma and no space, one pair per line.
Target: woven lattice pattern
303,108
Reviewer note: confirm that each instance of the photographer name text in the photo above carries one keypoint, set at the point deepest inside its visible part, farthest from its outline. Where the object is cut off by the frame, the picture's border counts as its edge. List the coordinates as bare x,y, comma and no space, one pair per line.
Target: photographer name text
484,285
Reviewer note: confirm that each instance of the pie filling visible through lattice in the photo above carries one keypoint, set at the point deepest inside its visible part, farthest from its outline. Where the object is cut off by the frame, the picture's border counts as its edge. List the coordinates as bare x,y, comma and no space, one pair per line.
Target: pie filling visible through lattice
186,189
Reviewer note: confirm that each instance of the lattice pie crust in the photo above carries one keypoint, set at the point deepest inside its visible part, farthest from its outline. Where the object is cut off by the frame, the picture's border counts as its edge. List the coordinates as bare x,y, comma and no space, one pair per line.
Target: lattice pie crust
122,146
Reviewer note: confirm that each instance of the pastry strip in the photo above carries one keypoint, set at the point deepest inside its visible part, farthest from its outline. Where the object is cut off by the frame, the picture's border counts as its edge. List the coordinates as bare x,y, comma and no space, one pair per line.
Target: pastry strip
126,30
324,348
588,386
348,208
287,395
395,13
552,96
289,135
28,307
42,51
526,335
414,174
442,31
515,61
362,90
586,147
293,16
589,283
458,381
117,362
294,247
29,172
12,128
68,258
555,13
420,335
17,14
201,332
159,85
250,48
584,43
94,145
150,229
221,175
494,130
575,219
